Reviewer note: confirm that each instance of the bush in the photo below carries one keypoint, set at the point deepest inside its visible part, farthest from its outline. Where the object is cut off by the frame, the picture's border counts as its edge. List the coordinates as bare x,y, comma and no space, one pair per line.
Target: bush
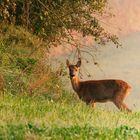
23,64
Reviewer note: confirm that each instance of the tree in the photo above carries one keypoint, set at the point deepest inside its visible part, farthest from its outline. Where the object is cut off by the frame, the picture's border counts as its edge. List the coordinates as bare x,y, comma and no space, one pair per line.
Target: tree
55,20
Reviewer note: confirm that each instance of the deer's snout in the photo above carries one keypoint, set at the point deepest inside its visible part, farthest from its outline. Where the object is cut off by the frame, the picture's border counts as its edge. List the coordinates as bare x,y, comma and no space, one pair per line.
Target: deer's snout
72,73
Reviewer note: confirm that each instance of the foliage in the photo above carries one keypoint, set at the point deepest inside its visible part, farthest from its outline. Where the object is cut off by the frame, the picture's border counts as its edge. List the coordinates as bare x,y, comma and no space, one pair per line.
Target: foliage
55,20
23,63
47,80
125,132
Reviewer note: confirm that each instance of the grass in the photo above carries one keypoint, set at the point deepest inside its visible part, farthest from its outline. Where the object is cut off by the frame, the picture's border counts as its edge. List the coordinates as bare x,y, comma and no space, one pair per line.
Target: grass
24,117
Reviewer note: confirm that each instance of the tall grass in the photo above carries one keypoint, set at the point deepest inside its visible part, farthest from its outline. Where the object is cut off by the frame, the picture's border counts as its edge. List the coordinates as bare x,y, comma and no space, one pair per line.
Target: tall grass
24,64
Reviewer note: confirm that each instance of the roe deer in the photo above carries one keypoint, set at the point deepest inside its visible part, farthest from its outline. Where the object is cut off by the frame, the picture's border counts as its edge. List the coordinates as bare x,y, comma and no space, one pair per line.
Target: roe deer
99,90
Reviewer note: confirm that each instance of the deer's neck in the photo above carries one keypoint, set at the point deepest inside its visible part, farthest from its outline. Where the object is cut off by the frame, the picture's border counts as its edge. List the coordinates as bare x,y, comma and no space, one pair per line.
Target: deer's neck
75,83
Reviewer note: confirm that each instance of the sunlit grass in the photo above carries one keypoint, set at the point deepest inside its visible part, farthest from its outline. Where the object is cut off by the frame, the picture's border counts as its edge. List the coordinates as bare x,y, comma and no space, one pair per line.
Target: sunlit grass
24,117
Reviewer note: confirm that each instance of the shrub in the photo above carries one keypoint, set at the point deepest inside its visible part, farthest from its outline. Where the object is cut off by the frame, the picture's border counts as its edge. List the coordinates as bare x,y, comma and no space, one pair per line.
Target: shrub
23,64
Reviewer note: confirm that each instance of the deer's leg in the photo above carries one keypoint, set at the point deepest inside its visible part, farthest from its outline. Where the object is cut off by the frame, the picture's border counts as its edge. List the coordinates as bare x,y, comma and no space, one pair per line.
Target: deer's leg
125,107
118,100
93,104
118,104
122,106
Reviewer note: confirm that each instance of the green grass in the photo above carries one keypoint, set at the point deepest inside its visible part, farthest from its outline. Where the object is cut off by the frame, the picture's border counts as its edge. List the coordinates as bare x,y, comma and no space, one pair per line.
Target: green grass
24,117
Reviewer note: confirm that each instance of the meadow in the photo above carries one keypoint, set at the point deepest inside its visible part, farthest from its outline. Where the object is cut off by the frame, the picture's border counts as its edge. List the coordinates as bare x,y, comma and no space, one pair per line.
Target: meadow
34,105
25,117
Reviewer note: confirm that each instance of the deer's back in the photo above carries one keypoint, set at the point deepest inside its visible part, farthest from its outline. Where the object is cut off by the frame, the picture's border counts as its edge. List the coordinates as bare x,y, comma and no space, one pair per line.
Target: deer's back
101,90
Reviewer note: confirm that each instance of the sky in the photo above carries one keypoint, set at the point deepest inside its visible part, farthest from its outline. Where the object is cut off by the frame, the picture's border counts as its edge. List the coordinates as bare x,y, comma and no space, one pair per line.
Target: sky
127,16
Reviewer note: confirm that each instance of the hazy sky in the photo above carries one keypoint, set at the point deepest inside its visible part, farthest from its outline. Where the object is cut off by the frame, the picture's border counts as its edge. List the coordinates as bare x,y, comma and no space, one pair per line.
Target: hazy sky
127,16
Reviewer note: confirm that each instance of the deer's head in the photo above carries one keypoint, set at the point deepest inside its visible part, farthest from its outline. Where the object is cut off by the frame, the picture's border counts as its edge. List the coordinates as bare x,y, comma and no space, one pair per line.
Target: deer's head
73,69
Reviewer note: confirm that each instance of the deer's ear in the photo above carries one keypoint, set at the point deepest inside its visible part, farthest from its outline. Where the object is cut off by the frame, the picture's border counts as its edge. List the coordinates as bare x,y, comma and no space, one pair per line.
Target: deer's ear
67,62
79,63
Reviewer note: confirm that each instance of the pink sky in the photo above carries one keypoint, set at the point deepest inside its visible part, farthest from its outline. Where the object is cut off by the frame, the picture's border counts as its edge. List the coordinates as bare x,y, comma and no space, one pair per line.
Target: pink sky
127,16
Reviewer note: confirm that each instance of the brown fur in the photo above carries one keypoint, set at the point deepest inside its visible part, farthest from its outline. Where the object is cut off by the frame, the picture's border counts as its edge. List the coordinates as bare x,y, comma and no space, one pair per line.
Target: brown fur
99,90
